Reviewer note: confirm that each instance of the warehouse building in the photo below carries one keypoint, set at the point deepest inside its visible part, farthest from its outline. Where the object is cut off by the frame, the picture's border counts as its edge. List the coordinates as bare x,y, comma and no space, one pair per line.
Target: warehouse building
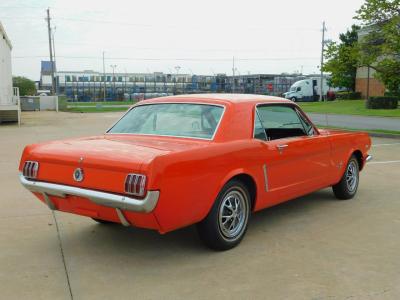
9,96
90,85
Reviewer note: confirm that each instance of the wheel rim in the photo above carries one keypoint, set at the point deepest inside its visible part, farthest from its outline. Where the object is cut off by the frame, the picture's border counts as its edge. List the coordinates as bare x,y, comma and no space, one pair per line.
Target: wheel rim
232,214
352,176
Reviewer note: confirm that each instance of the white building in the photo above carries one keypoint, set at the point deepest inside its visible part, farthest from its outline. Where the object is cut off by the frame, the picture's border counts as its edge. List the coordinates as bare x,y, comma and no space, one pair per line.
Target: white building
9,96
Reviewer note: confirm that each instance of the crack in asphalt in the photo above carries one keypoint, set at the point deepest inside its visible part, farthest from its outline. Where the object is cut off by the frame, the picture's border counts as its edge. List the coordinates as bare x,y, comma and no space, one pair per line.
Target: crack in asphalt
62,255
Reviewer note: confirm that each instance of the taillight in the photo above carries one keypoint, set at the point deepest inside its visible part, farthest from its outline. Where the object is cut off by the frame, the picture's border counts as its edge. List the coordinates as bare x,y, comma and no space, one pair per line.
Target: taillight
30,169
135,184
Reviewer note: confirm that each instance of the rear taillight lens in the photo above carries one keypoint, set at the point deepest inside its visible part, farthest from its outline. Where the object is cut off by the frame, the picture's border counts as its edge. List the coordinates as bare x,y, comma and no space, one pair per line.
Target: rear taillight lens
31,169
135,184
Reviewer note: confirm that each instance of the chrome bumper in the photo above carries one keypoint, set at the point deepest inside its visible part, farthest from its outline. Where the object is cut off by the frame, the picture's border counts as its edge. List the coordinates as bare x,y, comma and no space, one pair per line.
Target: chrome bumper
368,158
118,202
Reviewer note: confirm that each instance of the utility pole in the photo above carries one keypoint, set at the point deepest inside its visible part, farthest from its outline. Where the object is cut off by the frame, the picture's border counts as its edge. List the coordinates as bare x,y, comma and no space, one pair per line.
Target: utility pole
177,68
51,52
368,76
322,62
54,58
104,79
233,75
113,68
125,84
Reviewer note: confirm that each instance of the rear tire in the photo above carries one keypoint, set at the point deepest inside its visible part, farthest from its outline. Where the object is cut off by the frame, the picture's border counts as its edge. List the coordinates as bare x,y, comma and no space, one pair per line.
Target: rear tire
226,223
346,188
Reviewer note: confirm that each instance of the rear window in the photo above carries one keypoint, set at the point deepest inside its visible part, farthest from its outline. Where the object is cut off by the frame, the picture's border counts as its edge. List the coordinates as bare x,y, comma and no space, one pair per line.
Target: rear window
171,119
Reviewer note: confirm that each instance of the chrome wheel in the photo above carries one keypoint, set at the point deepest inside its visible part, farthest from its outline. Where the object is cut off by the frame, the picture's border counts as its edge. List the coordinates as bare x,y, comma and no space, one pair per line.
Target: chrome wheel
233,214
352,176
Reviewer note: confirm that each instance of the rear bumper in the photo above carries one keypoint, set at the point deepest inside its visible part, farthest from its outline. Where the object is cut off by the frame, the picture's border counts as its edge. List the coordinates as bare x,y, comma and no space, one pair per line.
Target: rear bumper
368,158
118,202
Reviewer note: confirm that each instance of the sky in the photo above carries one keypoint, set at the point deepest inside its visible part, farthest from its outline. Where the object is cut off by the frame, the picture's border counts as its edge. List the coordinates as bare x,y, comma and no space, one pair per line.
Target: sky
192,37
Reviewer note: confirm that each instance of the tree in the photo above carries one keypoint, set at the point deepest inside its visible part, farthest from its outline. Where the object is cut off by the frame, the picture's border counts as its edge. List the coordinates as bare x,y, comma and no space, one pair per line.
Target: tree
380,48
25,85
342,59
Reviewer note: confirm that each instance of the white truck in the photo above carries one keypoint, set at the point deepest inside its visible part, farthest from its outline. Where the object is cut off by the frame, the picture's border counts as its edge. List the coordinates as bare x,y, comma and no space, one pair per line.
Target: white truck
309,90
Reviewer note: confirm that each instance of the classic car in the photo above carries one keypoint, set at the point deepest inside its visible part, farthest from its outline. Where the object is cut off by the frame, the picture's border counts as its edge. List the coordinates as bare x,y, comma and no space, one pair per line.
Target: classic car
209,159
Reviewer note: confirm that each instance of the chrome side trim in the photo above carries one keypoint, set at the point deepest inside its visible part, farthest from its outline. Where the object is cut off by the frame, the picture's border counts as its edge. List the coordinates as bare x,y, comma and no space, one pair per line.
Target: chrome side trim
144,205
265,177
368,158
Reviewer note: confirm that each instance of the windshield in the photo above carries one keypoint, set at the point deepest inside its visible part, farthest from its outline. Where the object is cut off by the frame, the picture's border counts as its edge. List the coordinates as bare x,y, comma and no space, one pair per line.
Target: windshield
171,119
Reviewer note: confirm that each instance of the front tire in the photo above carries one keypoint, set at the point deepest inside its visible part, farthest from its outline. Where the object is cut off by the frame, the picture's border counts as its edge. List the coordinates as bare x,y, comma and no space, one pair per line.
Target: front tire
294,99
226,223
346,188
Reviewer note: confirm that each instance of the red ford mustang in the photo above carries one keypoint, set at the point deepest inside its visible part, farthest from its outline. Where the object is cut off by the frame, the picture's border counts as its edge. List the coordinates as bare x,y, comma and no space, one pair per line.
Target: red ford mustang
208,160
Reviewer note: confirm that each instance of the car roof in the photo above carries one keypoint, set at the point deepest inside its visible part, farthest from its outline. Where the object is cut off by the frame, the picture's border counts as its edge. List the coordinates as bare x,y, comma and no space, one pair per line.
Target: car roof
218,98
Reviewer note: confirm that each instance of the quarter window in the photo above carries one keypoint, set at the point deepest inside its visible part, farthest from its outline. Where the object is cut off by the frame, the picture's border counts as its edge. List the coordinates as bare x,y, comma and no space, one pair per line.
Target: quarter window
306,124
259,131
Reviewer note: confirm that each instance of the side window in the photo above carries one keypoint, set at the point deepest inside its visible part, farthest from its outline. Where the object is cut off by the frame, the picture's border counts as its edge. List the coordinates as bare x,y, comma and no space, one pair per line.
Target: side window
280,121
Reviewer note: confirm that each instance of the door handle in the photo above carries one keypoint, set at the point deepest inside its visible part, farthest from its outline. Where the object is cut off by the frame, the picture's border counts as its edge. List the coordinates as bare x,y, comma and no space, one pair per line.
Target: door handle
281,147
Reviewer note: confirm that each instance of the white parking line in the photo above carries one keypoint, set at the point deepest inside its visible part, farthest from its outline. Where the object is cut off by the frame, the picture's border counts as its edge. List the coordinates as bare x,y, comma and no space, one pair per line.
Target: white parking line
384,162
380,145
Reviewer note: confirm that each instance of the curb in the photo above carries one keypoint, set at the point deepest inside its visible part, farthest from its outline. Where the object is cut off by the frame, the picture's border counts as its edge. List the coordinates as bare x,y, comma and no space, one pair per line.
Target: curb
385,135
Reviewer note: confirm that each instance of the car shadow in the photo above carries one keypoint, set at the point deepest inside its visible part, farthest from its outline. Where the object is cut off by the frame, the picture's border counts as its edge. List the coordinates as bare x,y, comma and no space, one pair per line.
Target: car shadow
109,238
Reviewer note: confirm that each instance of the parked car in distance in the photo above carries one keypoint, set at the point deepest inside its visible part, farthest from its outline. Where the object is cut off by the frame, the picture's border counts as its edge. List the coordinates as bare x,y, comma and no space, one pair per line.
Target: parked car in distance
209,159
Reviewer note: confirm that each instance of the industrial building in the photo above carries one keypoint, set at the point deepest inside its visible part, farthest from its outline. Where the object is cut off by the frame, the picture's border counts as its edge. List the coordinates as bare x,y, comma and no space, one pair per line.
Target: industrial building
9,96
90,85
365,77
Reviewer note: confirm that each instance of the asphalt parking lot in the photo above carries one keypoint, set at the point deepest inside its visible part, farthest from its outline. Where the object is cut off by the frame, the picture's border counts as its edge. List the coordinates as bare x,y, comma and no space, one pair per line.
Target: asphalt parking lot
314,247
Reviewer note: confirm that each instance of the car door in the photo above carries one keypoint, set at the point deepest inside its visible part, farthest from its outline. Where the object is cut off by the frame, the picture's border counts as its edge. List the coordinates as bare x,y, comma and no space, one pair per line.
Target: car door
297,158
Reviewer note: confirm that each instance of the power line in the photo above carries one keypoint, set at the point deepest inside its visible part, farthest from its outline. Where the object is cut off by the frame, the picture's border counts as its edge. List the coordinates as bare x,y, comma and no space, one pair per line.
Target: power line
163,26
21,7
174,59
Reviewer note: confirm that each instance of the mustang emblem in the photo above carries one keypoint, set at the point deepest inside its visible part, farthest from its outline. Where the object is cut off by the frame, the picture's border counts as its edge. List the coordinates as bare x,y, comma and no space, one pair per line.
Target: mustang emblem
78,174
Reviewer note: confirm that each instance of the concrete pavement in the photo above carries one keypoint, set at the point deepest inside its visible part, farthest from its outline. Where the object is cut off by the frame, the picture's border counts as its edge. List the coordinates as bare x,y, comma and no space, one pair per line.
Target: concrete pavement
314,247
